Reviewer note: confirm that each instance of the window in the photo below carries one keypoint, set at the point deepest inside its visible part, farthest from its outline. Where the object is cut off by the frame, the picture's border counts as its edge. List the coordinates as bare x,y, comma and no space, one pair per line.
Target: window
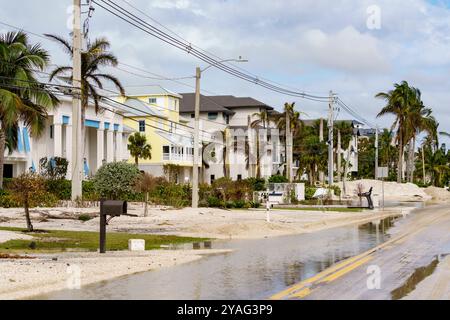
239,177
192,115
51,131
166,149
152,100
212,115
226,118
141,125
213,178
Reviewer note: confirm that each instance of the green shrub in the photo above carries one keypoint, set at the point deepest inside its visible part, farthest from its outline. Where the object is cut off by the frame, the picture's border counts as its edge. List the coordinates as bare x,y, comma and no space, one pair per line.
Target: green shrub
84,217
254,204
337,190
62,189
115,180
229,205
214,202
309,193
239,204
278,179
256,184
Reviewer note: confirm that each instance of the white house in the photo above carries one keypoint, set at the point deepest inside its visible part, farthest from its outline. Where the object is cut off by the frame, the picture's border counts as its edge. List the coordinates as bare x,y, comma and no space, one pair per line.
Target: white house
105,141
225,123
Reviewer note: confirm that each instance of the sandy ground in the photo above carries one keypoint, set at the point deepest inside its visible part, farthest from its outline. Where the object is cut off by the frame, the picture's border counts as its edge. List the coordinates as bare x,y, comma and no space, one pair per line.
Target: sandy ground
393,191
24,278
203,222
436,286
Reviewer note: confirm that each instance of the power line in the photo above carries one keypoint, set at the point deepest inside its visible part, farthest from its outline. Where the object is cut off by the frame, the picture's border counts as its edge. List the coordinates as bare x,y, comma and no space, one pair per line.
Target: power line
137,22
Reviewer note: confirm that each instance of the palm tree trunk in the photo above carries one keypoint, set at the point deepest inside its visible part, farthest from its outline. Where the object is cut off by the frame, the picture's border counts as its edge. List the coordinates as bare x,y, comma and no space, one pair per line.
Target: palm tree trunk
2,155
413,153
146,205
400,160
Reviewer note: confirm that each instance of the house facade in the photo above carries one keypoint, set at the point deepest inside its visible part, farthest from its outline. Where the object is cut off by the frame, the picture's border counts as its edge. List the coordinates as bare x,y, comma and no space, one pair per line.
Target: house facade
105,141
155,114
234,145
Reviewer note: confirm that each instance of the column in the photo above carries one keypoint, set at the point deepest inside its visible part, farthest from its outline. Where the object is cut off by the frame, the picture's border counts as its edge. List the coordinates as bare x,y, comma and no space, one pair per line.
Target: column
119,142
57,140
100,148
69,150
110,146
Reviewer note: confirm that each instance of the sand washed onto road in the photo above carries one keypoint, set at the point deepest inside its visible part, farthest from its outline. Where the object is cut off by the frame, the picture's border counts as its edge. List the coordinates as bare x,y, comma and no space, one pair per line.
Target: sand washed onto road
20,279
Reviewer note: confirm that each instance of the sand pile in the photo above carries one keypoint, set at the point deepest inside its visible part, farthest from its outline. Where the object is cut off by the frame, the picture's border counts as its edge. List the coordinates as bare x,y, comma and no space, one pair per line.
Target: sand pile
438,194
392,190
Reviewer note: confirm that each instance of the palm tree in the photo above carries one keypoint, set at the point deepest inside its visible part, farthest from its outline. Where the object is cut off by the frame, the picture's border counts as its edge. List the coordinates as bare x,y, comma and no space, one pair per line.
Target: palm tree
263,119
92,60
138,147
22,98
398,103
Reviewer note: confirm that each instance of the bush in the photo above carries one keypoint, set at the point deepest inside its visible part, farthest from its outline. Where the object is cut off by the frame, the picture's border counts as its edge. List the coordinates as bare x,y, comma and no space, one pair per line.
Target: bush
115,180
62,189
309,193
239,204
337,190
230,205
84,217
214,202
254,204
278,179
256,184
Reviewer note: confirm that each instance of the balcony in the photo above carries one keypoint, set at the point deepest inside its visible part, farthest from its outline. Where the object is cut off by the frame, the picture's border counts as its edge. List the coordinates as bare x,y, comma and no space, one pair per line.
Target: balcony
178,157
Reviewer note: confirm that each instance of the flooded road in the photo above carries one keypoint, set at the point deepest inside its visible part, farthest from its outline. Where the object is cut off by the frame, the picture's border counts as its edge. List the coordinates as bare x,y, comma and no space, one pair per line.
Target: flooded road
254,270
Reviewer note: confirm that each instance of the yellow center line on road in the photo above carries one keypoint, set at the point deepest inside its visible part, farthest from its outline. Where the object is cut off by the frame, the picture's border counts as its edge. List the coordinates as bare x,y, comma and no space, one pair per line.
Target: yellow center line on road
302,289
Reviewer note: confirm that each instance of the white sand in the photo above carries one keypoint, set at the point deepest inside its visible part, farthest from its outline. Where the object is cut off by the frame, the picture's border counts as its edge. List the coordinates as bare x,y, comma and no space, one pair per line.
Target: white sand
438,194
21,279
393,191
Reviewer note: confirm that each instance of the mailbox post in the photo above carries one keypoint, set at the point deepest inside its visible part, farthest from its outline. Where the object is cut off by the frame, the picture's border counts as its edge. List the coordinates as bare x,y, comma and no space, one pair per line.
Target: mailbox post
111,208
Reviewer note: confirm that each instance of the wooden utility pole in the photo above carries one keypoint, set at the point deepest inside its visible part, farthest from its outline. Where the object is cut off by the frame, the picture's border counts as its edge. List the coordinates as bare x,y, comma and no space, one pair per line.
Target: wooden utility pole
339,169
77,143
330,140
195,167
321,173
288,147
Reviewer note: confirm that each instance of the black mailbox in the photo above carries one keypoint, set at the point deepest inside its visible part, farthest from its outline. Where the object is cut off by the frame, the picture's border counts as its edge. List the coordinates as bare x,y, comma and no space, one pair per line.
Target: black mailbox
113,208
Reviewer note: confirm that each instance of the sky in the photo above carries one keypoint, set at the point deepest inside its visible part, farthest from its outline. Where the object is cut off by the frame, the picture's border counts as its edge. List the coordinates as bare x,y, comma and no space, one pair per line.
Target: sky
355,48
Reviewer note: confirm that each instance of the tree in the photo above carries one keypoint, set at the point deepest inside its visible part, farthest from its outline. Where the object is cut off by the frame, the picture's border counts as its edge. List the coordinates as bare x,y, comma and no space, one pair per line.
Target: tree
398,102
27,189
114,180
93,59
22,97
263,120
138,147
54,168
146,183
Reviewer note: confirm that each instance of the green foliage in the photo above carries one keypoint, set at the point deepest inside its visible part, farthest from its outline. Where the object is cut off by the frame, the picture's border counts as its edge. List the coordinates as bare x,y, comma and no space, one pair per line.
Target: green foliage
240,204
62,189
309,193
366,158
257,184
278,179
115,180
53,168
139,148
214,202
255,204
337,190
84,217
171,172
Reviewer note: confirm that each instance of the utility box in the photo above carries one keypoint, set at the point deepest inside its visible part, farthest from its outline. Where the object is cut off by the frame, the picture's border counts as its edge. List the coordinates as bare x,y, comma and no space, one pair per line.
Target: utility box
136,245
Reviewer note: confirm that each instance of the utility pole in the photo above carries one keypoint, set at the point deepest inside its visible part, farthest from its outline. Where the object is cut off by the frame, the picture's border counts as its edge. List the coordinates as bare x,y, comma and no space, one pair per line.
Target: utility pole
198,75
321,174
77,143
339,170
376,153
288,147
330,140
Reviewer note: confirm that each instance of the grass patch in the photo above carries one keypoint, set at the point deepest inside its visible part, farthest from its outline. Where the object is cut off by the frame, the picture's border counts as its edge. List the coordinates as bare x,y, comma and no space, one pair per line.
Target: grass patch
321,209
58,240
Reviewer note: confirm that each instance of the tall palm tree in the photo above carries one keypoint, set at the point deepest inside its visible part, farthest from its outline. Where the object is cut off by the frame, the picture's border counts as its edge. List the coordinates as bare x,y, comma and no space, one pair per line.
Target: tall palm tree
22,98
139,148
398,102
263,119
92,60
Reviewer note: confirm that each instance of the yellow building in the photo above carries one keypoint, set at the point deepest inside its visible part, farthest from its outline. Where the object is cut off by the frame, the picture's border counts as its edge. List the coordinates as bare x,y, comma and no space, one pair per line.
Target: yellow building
156,115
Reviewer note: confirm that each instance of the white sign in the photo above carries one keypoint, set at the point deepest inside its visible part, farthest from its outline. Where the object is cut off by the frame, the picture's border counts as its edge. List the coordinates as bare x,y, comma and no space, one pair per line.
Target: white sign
383,172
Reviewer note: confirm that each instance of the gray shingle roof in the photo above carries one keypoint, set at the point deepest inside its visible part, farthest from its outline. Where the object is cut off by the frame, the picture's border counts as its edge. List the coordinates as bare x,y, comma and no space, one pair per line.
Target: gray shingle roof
224,104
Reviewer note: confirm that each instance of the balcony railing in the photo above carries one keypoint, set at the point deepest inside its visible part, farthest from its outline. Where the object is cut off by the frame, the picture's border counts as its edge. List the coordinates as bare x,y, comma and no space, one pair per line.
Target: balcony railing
178,157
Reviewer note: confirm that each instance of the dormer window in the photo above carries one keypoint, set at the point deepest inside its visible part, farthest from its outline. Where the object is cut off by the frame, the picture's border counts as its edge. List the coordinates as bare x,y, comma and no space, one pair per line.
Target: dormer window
152,100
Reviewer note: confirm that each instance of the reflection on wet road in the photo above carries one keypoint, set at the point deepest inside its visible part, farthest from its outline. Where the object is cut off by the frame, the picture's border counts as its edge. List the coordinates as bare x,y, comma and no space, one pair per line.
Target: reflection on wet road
254,270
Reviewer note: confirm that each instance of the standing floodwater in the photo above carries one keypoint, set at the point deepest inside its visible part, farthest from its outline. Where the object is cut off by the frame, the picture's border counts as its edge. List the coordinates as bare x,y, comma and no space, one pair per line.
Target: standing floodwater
255,270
